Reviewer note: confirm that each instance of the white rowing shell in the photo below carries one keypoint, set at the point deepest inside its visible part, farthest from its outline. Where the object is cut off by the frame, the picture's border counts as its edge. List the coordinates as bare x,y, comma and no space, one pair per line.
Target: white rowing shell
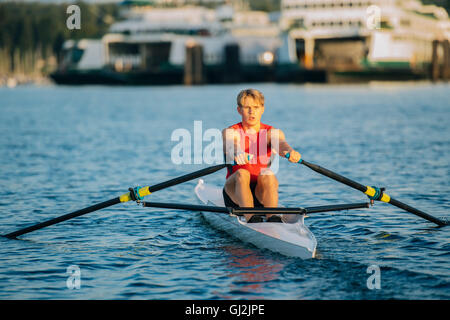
292,239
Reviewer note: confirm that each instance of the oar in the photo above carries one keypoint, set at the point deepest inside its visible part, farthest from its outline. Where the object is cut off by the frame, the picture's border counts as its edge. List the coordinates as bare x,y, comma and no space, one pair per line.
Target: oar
139,192
241,211
373,192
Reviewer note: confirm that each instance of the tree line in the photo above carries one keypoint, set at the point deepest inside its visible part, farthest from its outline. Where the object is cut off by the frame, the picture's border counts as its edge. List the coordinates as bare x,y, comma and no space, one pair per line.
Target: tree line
32,34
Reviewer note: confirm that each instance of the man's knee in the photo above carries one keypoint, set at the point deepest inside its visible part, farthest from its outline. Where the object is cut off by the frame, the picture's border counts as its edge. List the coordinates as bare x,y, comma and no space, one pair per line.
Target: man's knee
268,179
242,176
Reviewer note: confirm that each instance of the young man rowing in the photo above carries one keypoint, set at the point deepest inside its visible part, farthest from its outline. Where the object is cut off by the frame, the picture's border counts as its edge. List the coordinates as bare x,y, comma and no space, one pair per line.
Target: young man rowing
249,143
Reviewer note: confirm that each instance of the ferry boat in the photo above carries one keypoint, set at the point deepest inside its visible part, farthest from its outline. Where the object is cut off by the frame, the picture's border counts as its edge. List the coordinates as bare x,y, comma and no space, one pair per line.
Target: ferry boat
150,47
372,39
307,41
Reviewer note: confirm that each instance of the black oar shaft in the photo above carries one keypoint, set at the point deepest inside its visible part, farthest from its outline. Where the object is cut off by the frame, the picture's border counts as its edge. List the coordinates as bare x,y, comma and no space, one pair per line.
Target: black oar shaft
417,212
187,177
335,176
62,218
364,189
108,203
236,211
241,211
191,207
337,207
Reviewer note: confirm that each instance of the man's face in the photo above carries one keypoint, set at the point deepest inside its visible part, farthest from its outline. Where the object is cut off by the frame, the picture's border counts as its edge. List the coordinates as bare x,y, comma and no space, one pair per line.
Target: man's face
251,111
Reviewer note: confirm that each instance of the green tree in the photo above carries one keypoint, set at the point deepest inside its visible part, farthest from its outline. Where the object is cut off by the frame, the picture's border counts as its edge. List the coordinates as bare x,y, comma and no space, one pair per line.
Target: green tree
34,29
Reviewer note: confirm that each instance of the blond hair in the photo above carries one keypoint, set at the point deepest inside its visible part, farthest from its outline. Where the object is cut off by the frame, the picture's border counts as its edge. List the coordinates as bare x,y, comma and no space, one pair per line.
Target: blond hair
252,93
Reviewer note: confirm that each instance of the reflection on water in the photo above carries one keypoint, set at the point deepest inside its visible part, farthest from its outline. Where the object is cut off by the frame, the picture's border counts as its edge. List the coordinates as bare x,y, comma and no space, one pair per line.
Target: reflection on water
250,270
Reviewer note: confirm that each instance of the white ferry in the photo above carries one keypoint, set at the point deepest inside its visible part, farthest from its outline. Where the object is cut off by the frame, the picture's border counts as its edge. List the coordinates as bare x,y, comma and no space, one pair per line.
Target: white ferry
308,40
357,38
149,47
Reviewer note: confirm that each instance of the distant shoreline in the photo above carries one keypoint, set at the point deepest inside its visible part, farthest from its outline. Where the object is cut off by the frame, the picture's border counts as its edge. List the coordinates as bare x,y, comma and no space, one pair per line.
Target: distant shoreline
12,81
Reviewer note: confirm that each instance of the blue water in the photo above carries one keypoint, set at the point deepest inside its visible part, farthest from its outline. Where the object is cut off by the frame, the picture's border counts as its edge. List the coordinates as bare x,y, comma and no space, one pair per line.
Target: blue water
65,148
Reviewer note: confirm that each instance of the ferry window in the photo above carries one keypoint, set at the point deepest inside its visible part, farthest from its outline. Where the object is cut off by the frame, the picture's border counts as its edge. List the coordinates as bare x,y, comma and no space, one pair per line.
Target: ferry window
299,23
77,53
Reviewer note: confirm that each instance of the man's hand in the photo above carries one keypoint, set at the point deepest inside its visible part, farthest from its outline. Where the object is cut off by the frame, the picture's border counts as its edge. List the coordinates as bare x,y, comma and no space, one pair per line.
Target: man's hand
243,158
294,156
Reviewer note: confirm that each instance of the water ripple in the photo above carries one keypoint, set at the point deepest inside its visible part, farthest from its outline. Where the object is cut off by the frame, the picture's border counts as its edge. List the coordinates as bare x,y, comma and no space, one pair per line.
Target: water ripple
65,148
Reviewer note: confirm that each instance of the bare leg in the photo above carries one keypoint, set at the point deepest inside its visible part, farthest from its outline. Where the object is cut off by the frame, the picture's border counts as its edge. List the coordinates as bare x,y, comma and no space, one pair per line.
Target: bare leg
238,189
267,190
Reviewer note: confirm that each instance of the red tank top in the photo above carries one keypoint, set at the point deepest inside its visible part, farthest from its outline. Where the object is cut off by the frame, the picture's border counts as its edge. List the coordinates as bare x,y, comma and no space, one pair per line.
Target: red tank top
256,145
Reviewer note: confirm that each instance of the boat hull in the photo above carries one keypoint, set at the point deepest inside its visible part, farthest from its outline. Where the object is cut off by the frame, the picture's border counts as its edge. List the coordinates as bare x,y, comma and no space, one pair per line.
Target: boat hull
290,239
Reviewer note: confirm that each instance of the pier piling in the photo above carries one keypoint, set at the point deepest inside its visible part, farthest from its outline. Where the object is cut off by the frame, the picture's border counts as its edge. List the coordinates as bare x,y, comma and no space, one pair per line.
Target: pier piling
446,66
194,67
435,61
232,66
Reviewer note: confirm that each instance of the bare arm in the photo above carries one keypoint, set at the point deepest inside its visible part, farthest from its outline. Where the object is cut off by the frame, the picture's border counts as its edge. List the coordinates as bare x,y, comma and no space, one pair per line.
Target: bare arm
232,147
279,144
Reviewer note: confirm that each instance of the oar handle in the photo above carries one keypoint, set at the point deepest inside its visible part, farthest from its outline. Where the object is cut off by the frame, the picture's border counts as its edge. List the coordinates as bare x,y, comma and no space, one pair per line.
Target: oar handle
248,158
288,155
